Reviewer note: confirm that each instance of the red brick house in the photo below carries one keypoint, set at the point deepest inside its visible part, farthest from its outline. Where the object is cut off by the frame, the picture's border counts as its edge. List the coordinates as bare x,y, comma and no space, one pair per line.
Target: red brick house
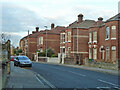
28,44
105,47
74,40
51,38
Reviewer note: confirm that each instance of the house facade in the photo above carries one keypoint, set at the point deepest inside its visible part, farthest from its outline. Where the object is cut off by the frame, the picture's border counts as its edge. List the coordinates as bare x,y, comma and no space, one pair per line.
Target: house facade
74,40
103,41
28,44
50,39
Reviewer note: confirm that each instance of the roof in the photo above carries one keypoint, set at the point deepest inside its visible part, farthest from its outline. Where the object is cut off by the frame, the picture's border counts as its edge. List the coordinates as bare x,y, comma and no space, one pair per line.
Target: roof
84,24
116,17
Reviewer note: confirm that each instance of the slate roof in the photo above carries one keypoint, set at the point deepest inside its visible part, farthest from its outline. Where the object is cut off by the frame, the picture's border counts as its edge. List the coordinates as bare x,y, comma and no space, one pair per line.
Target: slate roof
84,24
116,17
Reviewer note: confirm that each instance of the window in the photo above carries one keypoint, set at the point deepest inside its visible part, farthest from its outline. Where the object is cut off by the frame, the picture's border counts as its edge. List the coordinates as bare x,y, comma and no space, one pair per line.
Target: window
113,53
113,32
69,51
94,53
26,42
66,37
107,33
95,36
40,40
63,38
21,43
41,50
107,54
69,36
90,37
63,50
90,53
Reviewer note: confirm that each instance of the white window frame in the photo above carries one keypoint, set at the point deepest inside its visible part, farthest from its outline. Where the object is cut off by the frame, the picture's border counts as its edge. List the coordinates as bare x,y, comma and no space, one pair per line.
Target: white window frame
95,36
94,53
113,28
90,37
107,38
69,35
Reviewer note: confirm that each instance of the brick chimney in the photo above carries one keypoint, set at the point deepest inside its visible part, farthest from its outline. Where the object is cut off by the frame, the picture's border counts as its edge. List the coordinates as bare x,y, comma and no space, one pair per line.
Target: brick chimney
80,18
52,25
37,29
100,21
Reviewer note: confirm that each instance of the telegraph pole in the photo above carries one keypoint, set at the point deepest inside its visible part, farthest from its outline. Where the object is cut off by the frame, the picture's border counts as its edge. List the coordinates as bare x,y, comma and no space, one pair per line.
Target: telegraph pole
46,41
28,44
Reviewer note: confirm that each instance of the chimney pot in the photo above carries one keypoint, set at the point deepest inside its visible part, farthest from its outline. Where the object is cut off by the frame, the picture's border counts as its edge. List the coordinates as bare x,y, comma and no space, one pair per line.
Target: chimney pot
80,18
100,19
52,25
37,29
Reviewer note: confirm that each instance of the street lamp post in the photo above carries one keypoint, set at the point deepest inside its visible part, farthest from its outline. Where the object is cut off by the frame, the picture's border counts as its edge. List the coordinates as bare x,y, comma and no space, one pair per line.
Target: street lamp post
46,41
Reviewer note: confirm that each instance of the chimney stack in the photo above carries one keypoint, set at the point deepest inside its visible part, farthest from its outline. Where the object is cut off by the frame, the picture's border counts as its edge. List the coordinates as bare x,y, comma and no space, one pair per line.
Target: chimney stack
100,19
80,18
37,29
52,25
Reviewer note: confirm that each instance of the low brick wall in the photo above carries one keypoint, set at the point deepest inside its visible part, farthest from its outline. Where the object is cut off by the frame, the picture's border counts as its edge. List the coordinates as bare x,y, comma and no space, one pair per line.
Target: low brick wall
69,61
53,60
42,60
102,65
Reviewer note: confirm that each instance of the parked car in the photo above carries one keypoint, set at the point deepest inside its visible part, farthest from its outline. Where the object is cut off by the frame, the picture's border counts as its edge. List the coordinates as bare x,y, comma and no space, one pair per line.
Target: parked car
22,61
12,58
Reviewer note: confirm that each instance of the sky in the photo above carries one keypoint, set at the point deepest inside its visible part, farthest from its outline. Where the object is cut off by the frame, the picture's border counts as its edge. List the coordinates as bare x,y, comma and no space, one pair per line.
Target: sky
19,16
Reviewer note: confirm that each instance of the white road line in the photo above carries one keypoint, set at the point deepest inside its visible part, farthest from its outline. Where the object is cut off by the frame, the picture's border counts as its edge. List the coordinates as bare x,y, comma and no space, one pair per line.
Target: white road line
77,73
38,79
52,86
108,83
70,72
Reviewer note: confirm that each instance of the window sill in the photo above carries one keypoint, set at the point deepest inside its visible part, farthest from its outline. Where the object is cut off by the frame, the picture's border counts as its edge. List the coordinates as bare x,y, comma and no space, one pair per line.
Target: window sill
94,41
113,38
89,42
107,39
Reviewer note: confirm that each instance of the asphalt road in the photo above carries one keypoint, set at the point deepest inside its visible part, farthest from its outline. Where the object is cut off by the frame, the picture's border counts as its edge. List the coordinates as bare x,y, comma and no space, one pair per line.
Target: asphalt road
68,77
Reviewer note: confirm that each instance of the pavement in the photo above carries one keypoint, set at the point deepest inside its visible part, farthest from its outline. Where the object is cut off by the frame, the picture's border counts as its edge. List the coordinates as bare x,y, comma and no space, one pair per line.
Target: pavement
23,78
109,71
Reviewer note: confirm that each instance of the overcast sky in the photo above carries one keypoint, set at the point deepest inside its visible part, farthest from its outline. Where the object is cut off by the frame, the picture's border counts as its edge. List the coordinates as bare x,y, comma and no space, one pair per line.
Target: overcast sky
19,16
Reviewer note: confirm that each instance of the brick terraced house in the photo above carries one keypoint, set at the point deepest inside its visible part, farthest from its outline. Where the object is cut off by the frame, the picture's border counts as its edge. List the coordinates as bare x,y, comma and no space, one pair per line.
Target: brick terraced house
51,38
28,44
74,40
103,41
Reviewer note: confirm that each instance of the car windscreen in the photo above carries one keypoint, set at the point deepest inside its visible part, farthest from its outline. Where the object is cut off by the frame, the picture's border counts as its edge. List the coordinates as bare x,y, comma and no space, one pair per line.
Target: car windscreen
23,58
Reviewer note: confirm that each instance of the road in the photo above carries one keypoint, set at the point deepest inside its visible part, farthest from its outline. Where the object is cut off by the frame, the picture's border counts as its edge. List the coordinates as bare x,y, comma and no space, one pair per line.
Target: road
57,76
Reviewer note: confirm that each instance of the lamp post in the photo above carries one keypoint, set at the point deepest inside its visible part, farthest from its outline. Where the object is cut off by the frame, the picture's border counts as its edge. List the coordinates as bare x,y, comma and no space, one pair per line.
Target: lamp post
46,41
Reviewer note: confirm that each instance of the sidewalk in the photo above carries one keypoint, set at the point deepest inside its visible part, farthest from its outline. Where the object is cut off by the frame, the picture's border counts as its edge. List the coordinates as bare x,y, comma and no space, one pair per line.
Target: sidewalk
113,72
23,78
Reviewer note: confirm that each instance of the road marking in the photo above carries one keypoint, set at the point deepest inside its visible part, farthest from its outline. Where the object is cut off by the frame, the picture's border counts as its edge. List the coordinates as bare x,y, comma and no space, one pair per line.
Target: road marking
77,73
109,83
38,79
52,86
70,72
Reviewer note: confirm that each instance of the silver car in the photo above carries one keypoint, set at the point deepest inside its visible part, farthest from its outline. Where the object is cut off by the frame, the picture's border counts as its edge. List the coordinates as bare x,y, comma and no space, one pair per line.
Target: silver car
22,61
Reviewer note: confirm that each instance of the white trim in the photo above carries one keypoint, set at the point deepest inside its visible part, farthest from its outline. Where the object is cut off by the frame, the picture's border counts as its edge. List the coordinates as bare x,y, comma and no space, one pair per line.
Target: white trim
62,46
113,38
94,41
107,39
79,52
